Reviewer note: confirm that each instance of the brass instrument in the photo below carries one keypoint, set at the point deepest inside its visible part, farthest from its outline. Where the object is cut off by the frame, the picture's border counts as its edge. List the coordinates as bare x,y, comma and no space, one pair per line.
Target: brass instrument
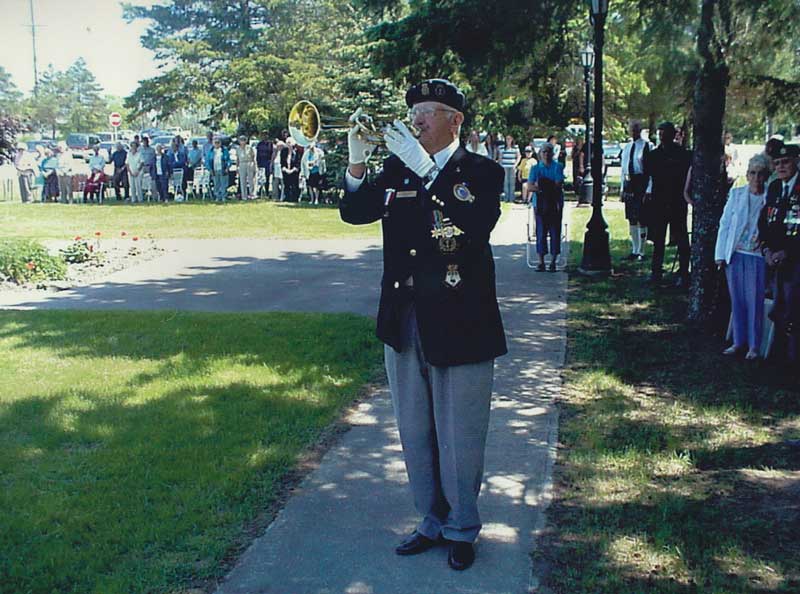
305,125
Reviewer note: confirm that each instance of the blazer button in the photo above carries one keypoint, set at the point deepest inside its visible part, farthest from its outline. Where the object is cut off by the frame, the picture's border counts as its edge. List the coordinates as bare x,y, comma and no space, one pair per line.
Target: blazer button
396,285
412,252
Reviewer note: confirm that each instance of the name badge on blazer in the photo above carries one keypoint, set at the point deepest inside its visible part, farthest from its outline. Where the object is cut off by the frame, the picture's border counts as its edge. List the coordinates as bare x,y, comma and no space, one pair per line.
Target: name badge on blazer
407,194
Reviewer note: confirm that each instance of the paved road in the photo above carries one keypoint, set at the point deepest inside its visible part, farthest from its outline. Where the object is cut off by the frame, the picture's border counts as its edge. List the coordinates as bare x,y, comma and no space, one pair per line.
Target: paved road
337,532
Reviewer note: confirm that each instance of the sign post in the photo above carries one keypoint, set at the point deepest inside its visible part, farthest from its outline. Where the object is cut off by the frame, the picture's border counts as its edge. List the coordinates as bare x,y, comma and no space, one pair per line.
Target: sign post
115,119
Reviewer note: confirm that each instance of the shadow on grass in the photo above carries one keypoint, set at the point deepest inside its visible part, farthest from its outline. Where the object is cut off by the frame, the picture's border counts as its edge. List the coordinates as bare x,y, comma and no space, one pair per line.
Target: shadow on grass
144,481
679,468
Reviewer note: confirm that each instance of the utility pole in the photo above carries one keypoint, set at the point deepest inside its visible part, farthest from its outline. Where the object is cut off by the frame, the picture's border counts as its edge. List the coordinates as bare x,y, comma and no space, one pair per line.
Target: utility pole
33,37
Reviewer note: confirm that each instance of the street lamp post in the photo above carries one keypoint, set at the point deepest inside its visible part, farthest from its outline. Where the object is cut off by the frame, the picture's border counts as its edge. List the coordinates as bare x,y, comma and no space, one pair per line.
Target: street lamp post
587,61
596,251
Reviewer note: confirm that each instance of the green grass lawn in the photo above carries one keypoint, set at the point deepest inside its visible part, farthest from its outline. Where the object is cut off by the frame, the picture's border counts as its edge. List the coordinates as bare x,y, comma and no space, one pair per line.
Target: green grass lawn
136,447
192,220
679,469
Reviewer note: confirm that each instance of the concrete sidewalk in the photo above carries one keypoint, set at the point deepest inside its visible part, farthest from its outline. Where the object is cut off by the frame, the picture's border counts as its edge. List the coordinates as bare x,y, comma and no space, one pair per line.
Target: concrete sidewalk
337,532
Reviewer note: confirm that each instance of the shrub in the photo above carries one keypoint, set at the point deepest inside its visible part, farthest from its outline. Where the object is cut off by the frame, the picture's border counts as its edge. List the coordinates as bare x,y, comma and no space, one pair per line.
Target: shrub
28,261
80,250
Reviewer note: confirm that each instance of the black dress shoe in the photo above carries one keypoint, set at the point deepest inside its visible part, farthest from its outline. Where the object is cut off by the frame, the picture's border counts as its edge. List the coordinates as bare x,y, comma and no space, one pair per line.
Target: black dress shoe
414,544
461,555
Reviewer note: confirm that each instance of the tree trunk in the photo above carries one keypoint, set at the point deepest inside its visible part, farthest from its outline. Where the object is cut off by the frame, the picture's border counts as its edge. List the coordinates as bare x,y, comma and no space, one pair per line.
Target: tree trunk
709,182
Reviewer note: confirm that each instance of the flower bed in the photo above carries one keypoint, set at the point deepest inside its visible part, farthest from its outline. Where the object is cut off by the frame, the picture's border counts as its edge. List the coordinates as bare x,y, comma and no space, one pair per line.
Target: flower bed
79,262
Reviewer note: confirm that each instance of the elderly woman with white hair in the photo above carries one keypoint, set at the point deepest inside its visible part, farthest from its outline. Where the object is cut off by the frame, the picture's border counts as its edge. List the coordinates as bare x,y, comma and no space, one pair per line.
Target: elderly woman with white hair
737,252
546,181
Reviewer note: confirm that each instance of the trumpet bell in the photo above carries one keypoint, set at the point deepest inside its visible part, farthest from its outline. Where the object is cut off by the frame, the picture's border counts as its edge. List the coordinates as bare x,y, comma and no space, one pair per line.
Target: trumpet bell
304,123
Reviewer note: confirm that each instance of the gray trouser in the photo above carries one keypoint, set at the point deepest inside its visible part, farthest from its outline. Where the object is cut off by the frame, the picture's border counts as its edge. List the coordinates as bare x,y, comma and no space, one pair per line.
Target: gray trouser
443,417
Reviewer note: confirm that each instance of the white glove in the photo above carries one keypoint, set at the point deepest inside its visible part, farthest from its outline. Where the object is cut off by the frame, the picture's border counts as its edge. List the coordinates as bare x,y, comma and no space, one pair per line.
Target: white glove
359,148
400,141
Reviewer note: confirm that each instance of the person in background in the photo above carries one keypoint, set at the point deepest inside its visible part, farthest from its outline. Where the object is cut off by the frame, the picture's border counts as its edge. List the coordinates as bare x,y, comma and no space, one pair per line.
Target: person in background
635,184
48,166
553,141
95,183
208,145
217,163
25,164
120,178
771,150
178,159
491,146
277,171
163,168
667,167
546,180
148,165
313,168
290,165
264,153
731,158
474,144
779,231
97,162
246,166
509,159
737,252
64,171
135,166
578,166
523,170
194,160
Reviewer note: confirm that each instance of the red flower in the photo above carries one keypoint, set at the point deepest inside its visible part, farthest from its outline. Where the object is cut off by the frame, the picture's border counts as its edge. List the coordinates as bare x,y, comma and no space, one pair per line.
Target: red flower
97,233
30,265
124,233
77,238
135,238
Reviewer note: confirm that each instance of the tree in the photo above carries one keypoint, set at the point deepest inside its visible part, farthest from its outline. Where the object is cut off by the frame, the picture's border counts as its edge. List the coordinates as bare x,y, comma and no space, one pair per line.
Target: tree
729,31
69,101
10,96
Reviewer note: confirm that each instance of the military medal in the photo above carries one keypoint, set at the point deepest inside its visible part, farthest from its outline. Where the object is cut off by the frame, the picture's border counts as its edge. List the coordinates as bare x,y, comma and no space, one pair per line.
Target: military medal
462,193
448,245
452,278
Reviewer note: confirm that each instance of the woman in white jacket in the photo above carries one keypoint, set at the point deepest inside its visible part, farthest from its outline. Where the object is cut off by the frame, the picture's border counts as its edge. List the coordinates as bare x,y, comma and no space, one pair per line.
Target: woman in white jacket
737,252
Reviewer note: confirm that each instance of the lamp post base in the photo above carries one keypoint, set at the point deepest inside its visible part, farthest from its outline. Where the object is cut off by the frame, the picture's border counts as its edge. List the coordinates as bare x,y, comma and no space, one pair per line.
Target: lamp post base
596,252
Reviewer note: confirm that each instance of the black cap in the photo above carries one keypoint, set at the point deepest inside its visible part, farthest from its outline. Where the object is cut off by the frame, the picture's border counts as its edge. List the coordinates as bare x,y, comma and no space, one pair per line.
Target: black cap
436,89
788,150
666,126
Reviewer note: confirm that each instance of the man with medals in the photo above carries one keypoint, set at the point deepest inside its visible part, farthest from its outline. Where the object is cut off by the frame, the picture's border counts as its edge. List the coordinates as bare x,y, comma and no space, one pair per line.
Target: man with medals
778,230
438,315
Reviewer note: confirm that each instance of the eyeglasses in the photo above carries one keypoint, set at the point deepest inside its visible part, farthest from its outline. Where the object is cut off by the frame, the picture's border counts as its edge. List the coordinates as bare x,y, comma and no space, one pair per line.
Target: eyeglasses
426,112
782,161
762,172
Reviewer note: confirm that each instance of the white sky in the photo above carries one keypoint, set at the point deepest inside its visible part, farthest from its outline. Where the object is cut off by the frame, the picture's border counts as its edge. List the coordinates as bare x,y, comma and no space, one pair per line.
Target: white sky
70,29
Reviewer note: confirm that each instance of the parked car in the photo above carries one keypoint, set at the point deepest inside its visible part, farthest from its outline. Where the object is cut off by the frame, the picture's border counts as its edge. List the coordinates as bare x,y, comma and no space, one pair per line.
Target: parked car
80,144
45,142
612,153
104,136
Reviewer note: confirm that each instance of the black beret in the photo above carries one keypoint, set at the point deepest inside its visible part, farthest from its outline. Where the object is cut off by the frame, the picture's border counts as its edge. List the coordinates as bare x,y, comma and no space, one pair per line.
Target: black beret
436,89
788,150
666,126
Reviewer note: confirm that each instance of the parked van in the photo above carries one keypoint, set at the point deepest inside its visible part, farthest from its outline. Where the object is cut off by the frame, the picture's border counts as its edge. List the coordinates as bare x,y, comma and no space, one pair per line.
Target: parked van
80,144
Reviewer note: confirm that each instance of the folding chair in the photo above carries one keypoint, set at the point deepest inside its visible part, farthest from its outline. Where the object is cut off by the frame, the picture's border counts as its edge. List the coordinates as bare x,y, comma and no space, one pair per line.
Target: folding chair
147,185
176,183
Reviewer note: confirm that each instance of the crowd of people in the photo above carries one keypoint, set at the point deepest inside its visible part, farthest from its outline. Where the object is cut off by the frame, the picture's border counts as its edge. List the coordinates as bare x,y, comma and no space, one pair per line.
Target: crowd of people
273,167
757,243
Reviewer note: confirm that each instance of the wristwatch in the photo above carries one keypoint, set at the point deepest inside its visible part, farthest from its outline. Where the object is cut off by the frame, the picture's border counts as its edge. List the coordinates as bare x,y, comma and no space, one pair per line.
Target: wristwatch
431,175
